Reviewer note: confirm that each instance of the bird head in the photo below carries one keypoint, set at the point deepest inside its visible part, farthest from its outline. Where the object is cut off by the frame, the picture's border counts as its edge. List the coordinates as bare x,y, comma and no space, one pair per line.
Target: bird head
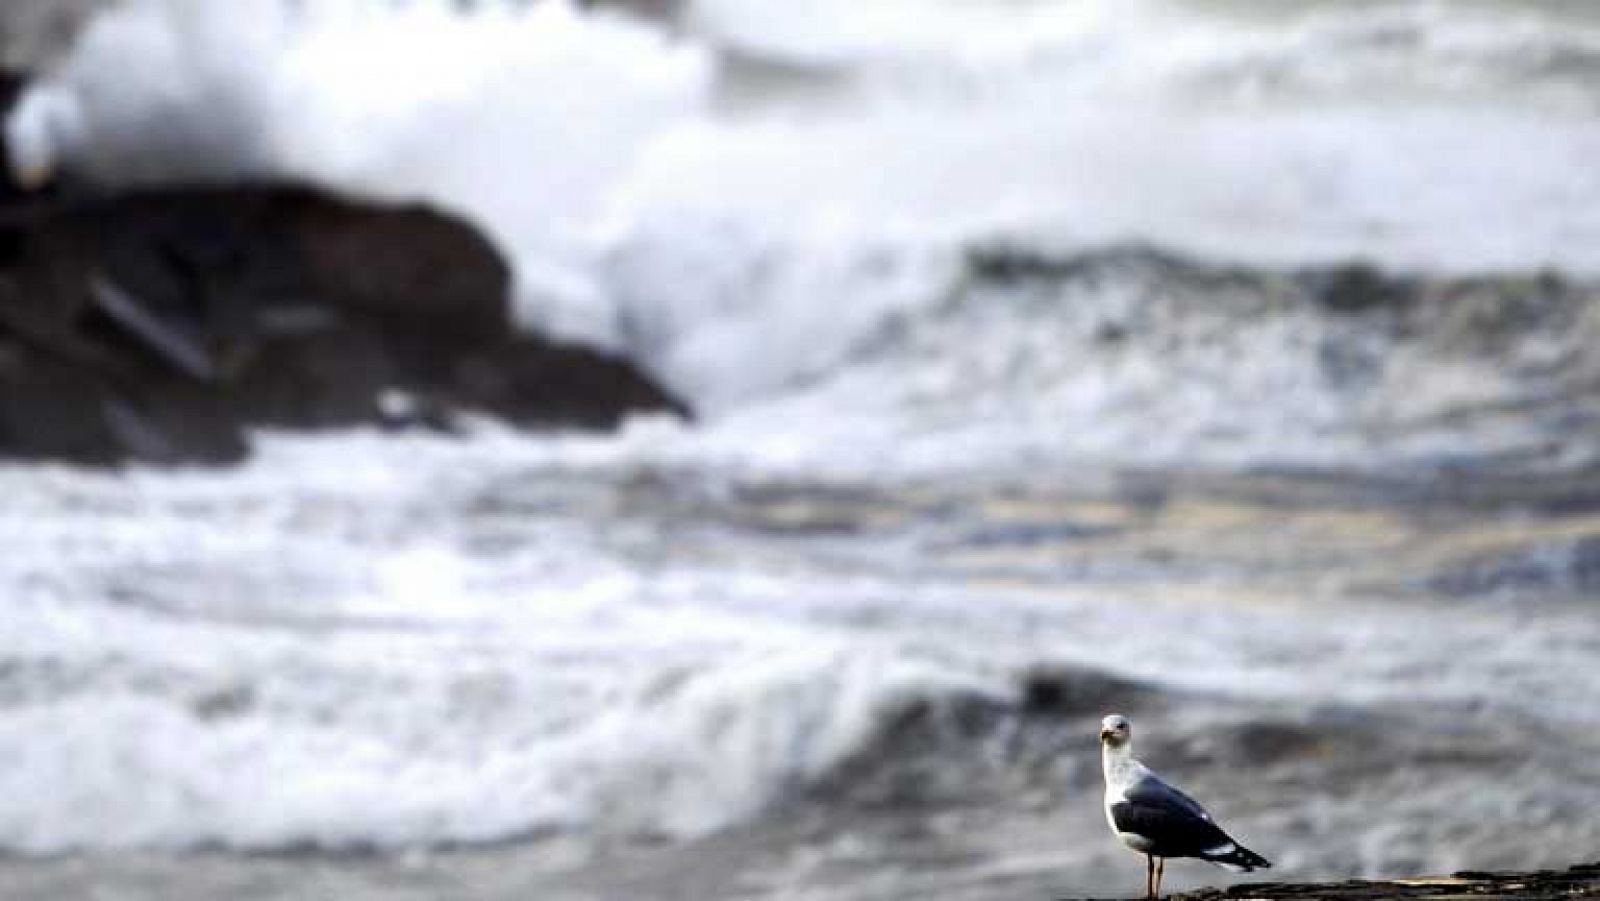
1115,730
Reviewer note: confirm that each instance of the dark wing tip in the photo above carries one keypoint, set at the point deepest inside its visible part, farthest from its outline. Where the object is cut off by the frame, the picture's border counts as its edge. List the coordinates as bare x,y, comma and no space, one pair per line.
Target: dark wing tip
1240,859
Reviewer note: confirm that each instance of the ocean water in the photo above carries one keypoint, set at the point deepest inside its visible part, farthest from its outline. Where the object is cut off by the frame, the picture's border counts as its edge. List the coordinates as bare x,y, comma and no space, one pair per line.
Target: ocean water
1036,378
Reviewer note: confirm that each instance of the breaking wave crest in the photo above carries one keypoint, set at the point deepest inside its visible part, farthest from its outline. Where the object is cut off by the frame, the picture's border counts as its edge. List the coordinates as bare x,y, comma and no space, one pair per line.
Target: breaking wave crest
1132,356
335,758
737,249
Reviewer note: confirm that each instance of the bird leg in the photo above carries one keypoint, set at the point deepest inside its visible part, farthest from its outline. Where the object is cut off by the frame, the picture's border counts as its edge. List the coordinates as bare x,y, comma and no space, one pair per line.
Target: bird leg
1149,878
1161,870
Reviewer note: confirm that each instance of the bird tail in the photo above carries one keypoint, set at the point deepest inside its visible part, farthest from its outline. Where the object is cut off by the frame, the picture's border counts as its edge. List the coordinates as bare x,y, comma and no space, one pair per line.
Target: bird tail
1236,857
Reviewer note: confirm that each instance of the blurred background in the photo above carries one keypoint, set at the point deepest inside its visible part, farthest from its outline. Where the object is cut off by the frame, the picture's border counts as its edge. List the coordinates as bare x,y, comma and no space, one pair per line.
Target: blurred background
738,449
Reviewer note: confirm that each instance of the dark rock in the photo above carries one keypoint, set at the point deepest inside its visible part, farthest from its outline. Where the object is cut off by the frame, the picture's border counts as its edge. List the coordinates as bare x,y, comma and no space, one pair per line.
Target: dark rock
1070,691
1356,288
1544,885
160,325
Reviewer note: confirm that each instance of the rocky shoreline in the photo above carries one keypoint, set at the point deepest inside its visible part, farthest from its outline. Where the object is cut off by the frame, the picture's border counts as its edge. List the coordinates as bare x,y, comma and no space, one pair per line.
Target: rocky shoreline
162,325
1545,885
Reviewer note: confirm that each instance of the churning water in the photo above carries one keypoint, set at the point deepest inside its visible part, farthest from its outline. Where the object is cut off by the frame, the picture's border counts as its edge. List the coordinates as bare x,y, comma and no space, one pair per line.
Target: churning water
1032,382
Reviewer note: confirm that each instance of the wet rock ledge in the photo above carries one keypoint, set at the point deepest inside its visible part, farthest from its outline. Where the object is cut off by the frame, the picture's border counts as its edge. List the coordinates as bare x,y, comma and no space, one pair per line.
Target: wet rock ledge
1545,885
161,326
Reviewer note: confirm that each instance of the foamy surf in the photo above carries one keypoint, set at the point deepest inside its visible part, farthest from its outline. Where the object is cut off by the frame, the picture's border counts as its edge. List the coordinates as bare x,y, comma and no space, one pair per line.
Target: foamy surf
883,275
640,217
454,641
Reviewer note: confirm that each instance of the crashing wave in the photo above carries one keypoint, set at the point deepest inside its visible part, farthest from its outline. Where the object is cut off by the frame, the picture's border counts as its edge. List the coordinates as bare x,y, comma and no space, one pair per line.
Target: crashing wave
1130,356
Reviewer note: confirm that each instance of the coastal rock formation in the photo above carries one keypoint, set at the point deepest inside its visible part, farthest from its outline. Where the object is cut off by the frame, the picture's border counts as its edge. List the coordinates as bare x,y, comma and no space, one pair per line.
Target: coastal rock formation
161,325
1545,885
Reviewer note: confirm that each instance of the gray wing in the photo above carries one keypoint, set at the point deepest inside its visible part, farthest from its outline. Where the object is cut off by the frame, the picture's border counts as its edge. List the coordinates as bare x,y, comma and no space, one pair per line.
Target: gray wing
1174,824
1154,792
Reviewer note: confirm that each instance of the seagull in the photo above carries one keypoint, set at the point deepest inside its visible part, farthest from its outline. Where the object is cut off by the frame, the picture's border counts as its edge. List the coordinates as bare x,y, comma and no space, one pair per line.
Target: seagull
1156,819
